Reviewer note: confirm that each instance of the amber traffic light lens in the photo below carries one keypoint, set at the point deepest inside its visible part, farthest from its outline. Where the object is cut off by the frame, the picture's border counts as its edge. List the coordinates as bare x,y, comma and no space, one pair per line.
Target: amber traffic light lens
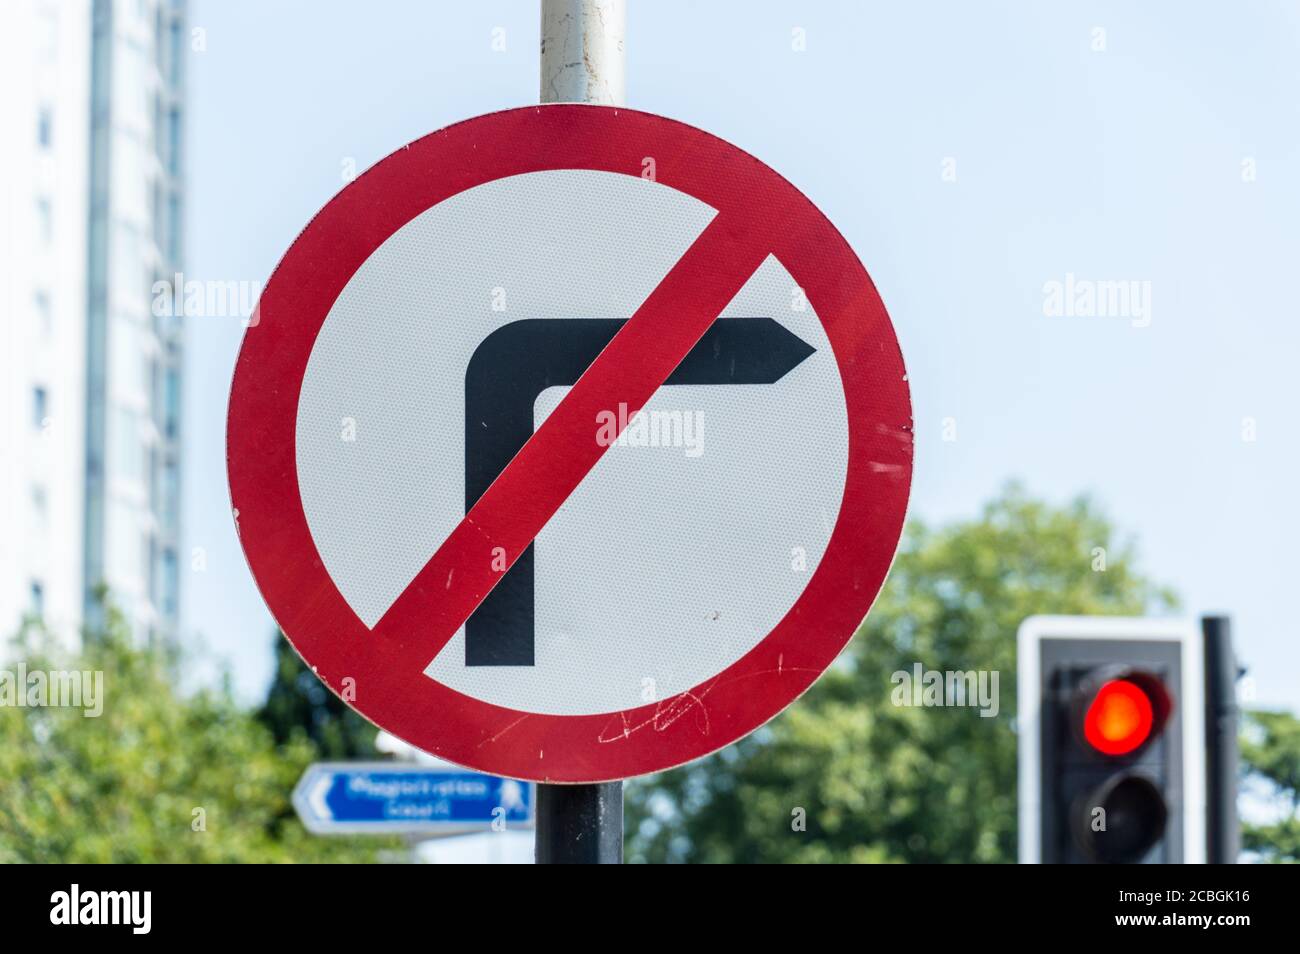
1121,821
1119,719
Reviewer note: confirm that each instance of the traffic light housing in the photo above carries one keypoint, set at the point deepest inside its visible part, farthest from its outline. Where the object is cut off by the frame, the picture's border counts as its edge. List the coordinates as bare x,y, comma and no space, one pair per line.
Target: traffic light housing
1111,726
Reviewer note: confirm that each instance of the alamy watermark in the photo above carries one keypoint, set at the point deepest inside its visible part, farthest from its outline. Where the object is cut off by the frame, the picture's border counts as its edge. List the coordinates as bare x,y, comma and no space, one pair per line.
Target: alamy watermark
57,688
179,297
132,909
654,428
1088,298
933,687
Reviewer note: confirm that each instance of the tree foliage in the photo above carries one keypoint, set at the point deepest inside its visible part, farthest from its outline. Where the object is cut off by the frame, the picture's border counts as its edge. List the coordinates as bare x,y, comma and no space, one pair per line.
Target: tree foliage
298,705
878,782
157,777
1270,752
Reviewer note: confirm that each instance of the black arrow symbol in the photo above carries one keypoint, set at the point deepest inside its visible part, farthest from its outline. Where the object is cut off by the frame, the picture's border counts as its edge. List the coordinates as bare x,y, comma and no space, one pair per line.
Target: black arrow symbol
515,364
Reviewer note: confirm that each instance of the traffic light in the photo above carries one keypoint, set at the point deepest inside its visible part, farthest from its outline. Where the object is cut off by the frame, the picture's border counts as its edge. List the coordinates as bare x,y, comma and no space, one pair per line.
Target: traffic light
1112,741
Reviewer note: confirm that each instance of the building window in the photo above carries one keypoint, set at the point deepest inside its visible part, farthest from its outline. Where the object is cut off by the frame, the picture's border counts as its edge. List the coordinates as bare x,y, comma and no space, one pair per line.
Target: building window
171,404
44,127
170,584
177,43
44,312
153,479
157,212
174,142
127,454
126,255
47,35
151,568
40,406
171,493
44,219
174,228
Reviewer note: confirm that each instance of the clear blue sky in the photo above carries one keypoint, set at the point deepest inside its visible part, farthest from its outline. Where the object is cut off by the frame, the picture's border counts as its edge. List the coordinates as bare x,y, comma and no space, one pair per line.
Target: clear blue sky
1123,165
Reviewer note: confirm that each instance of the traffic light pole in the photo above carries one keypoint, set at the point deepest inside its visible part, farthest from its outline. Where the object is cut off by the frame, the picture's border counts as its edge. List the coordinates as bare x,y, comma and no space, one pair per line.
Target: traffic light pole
582,62
1222,829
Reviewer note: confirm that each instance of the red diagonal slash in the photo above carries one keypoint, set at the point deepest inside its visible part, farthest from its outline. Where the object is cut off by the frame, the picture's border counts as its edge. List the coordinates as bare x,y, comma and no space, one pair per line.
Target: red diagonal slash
549,467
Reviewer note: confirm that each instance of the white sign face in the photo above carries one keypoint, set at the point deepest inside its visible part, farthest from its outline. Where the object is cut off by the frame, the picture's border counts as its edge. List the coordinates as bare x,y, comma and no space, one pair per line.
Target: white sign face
690,538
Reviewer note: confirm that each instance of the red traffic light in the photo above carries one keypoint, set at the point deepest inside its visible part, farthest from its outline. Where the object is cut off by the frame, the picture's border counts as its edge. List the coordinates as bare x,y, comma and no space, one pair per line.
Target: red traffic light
1120,718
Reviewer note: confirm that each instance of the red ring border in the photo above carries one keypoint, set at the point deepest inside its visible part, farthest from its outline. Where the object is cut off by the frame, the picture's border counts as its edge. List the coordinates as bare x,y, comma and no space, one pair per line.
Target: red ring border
261,446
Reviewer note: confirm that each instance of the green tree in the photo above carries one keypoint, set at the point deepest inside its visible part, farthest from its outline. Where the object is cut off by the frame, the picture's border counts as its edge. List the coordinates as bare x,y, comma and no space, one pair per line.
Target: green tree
156,777
299,706
877,782
1270,751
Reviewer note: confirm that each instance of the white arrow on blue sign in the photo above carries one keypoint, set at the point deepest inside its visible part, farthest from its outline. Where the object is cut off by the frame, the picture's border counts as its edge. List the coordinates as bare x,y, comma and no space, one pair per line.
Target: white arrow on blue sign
339,798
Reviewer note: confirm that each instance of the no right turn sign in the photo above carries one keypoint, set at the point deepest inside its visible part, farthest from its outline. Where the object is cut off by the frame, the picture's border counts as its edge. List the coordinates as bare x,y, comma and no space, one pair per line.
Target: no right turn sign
570,443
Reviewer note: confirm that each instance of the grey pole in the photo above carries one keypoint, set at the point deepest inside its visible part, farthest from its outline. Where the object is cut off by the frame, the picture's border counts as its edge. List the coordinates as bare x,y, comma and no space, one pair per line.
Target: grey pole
582,52
1223,835
582,62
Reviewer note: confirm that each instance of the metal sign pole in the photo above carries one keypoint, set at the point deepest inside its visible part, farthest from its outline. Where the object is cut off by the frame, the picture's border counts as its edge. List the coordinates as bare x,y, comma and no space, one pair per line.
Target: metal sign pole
582,62
582,52
580,824
1222,825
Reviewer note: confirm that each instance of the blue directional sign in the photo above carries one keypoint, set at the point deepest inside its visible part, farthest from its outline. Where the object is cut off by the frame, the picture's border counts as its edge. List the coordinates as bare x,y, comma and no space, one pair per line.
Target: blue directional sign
391,797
